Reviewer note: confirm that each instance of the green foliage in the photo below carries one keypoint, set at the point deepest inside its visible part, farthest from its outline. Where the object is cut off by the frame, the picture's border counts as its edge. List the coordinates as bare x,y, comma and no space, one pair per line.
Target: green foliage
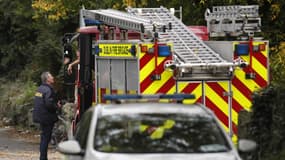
277,63
47,52
16,100
16,93
16,36
267,125
28,92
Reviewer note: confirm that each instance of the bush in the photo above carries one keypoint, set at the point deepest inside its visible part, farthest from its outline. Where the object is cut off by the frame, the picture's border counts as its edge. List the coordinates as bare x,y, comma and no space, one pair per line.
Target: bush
15,101
267,125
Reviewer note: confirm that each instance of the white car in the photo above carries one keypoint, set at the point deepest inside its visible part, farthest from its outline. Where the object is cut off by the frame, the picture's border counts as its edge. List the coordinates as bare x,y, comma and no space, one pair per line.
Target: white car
151,131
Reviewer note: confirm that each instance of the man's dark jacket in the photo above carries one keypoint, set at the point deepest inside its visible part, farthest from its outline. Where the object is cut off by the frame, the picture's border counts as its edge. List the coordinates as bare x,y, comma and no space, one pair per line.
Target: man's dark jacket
45,105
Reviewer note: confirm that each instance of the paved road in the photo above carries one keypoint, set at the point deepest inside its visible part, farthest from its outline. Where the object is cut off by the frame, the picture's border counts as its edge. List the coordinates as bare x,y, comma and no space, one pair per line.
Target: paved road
16,146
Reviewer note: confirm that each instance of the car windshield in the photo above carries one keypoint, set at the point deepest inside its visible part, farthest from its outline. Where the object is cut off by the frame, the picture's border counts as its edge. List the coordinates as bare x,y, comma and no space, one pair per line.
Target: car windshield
159,133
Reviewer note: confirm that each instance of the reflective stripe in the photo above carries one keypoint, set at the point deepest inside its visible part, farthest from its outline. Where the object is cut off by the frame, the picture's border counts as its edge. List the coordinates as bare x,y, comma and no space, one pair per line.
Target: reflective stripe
38,94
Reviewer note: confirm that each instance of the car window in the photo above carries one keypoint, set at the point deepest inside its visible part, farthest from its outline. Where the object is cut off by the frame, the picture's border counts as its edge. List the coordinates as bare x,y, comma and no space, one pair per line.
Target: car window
159,133
82,128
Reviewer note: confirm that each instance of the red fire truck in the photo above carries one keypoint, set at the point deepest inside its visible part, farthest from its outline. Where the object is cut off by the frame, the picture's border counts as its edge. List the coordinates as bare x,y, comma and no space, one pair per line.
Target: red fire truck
150,51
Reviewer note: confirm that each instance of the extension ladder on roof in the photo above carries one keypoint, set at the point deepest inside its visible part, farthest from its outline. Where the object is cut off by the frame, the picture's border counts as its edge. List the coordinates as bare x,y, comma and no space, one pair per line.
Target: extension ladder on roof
122,20
195,59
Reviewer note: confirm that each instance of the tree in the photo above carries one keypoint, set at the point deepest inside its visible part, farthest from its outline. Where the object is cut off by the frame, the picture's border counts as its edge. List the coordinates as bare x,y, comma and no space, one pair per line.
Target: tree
16,36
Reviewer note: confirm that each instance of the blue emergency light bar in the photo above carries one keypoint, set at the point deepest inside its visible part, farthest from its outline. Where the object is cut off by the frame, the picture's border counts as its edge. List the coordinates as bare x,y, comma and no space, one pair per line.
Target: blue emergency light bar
113,97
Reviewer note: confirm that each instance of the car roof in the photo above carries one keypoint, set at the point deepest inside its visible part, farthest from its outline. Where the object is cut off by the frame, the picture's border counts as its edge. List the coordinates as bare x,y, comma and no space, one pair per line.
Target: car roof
153,108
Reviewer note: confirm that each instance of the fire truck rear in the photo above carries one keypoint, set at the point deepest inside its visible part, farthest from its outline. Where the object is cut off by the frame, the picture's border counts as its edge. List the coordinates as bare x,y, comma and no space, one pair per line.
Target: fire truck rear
150,51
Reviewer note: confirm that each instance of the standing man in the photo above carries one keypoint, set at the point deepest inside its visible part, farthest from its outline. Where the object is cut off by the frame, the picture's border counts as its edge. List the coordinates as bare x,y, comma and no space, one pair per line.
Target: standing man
44,113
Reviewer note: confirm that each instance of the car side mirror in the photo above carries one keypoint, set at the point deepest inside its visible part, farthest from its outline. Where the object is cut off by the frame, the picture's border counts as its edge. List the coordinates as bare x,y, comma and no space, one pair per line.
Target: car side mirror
70,147
245,145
